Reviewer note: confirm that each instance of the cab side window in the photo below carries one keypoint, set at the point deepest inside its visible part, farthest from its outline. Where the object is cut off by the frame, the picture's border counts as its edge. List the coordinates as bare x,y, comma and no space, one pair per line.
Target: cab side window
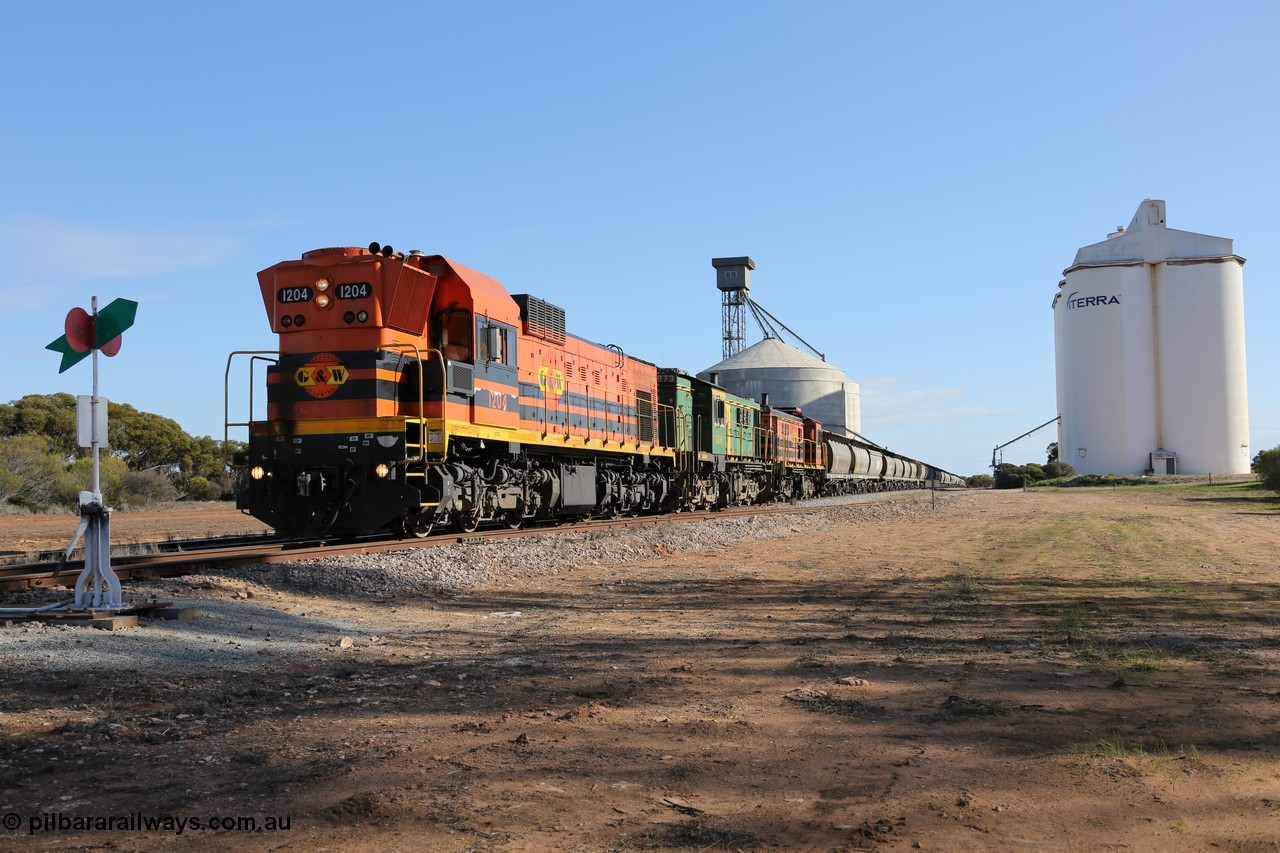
455,334
491,342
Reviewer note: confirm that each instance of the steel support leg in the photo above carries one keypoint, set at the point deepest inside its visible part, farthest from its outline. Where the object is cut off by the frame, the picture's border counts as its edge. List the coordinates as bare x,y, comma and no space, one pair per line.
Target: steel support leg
97,588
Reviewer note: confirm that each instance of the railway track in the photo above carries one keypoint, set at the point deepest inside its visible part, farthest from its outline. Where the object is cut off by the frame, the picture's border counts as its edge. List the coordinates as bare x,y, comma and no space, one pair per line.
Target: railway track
179,557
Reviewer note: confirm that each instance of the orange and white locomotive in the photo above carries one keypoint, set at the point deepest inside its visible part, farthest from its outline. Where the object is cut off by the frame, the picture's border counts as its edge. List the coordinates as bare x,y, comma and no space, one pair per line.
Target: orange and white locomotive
412,391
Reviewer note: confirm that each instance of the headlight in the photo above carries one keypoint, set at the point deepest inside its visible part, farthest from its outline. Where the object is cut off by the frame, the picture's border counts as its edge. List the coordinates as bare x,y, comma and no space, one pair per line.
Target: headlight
257,472
322,284
322,301
382,470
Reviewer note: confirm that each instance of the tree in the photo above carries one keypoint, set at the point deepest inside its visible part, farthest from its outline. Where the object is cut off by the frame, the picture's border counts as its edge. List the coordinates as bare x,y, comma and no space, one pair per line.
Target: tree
141,442
50,416
1267,466
1057,470
144,440
206,470
31,475
111,472
980,481
1009,476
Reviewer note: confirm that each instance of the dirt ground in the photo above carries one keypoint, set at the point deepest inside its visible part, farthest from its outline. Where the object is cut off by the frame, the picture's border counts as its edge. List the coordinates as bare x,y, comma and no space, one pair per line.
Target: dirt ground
24,535
1058,670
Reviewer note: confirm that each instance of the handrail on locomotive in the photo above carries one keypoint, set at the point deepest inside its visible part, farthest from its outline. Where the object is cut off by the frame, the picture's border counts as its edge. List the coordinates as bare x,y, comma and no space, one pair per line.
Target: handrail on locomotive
422,397
255,356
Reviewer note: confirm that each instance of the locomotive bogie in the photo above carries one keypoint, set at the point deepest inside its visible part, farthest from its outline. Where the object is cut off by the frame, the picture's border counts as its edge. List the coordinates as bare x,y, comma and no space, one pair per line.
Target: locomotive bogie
517,485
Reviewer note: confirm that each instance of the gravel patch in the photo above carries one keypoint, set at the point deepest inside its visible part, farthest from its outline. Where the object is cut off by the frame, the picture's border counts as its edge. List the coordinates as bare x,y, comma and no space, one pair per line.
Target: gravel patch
247,623
457,568
229,635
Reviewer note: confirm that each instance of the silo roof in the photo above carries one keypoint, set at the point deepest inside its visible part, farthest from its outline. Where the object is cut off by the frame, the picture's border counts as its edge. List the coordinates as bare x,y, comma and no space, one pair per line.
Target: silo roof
1148,239
771,353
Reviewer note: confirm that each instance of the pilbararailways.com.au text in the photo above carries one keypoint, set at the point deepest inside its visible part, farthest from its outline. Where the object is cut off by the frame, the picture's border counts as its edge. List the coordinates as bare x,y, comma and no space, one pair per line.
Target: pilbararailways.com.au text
139,822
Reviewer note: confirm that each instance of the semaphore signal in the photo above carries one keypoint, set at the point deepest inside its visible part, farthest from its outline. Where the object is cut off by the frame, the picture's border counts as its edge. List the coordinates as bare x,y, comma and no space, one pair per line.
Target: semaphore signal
87,332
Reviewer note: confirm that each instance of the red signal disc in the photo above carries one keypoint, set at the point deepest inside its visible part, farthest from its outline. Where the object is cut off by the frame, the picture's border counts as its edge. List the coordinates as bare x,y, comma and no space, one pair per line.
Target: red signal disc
79,329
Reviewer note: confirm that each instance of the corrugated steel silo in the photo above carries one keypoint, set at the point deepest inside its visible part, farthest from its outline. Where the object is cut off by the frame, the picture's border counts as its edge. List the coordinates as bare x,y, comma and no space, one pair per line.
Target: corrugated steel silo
1149,341
792,379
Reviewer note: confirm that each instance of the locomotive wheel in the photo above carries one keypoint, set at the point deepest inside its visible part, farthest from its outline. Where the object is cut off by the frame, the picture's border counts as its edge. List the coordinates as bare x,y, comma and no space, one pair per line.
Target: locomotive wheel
417,523
466,522
513,519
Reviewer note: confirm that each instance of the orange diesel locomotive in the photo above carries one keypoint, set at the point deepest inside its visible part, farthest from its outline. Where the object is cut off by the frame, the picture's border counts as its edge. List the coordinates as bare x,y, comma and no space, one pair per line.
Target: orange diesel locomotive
411,391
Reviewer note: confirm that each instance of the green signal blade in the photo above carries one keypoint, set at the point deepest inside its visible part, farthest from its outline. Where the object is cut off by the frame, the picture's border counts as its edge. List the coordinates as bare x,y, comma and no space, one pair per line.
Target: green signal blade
113,320
70,357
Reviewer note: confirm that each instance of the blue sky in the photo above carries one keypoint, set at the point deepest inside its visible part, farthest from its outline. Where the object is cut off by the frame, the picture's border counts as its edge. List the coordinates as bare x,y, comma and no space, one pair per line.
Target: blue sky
910,178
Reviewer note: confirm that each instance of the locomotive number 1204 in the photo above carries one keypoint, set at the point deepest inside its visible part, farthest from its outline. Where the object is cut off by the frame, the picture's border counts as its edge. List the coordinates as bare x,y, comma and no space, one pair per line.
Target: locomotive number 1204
355,290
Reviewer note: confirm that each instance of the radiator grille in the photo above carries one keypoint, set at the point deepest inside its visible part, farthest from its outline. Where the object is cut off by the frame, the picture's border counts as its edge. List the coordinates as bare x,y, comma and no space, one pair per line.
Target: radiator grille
644,415
462,378
542,319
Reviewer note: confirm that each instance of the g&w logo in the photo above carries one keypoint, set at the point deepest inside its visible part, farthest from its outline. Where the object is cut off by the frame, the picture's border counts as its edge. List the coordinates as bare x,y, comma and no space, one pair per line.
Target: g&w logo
321,376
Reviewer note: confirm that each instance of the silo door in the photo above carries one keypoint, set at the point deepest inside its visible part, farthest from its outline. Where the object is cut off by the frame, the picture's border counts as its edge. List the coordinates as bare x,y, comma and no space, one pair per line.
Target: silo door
1164,463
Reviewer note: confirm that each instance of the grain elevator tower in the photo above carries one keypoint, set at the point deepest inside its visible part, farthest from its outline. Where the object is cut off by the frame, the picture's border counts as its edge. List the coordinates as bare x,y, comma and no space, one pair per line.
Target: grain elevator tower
733,279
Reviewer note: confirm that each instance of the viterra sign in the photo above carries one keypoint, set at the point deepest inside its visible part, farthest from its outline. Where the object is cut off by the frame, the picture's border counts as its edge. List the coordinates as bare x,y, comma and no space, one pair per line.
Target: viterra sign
1075,301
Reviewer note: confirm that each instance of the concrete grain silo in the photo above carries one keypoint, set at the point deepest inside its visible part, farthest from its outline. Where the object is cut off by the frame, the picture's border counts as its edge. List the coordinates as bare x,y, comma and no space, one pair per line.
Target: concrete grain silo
1149,337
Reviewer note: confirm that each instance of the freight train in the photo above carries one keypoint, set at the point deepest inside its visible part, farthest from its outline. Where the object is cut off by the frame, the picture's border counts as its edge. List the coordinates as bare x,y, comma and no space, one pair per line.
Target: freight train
412,393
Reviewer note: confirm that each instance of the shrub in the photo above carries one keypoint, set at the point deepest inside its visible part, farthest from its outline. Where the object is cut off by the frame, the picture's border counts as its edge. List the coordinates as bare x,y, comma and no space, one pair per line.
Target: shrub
204,487
1110,480
1009,476
1016,476
980,481
1267,466
1057,470
140,488
198,489
31,475
111,473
